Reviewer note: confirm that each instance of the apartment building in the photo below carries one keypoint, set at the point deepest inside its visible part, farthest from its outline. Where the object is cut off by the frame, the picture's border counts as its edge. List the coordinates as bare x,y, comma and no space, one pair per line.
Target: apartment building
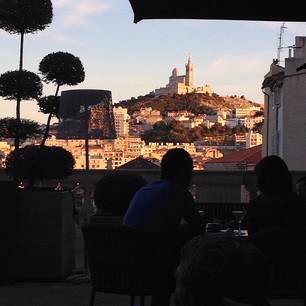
285,108
253,140
122,119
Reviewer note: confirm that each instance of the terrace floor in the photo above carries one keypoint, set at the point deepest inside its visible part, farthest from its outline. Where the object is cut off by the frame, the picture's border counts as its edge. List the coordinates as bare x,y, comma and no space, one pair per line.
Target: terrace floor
70,292
61,293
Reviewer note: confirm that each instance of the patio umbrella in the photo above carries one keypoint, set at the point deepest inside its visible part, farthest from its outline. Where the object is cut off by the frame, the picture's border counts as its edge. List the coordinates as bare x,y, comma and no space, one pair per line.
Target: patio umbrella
269,10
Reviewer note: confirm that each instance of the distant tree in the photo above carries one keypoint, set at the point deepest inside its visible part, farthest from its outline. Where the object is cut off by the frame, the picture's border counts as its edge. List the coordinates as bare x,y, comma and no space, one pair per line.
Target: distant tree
239,129
160,125
257,128
178,132
216,129
59,68
23,17
259,113
220,130
195,134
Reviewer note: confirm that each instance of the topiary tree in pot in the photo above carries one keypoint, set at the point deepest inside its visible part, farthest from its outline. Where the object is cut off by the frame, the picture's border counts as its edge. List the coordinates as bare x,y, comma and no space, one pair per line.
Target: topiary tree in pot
43,216
40,163
43,220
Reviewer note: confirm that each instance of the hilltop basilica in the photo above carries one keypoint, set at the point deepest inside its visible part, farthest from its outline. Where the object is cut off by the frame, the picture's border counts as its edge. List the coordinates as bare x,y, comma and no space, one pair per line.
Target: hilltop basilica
182,84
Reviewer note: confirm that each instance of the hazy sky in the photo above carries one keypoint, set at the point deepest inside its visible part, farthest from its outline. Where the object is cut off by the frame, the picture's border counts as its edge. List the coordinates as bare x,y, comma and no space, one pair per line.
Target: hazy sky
133,59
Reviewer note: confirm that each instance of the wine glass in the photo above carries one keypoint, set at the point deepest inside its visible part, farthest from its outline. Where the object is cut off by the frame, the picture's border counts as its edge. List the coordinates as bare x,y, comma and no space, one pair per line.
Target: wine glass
239,216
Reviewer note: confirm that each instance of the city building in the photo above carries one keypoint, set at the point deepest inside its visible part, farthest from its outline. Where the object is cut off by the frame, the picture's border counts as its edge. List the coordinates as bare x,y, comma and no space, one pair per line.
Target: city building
182,84
246,111
240,160
253,140
250,121
284,131
5,149
121,118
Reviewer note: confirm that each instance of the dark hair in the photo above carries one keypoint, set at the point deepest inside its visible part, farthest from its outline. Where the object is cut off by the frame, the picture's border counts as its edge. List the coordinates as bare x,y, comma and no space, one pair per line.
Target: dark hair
173,160
114,191
220,265
273,175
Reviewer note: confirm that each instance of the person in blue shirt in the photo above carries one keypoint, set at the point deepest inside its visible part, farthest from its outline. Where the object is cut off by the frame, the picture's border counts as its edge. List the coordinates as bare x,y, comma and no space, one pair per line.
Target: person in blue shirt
161,206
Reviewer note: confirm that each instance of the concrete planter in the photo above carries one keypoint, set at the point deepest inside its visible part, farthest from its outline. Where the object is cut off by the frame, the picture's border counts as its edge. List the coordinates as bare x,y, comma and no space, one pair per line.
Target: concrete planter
7,233
45,234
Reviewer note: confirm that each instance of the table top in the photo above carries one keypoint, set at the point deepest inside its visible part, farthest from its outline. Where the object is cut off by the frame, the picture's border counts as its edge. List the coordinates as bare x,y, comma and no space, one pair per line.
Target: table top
244,233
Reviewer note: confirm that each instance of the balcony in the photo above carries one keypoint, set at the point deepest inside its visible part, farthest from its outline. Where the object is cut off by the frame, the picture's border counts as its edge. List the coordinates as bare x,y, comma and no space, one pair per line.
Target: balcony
225,187
214,190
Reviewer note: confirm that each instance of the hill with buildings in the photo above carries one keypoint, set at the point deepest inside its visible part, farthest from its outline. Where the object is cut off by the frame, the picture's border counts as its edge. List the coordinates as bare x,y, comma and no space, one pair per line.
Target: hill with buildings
197,103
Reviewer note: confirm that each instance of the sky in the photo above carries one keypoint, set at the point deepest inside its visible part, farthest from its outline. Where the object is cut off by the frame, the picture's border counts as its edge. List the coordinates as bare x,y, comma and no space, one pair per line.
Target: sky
134,59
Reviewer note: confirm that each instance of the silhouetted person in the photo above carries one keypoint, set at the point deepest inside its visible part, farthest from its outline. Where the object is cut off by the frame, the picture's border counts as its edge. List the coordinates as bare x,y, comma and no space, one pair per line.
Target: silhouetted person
220,269
160,206
114,191
277,205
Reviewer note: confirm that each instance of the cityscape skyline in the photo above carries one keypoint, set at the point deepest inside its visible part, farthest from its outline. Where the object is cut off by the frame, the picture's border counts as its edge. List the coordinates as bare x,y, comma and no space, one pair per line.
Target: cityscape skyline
133,59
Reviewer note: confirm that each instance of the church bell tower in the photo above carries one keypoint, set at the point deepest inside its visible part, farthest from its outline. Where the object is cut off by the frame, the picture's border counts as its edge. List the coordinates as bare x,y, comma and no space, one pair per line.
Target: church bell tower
189,72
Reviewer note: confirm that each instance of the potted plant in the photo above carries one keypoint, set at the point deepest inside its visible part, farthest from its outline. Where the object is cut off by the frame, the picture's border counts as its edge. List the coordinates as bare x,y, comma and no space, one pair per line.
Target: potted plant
44,223
40,163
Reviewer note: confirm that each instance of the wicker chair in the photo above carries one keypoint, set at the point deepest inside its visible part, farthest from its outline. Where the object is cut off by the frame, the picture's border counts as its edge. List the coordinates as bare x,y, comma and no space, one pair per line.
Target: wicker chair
286,250
125,260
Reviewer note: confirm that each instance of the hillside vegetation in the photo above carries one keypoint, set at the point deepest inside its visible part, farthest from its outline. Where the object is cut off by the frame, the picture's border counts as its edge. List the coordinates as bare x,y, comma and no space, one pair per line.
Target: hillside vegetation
196,103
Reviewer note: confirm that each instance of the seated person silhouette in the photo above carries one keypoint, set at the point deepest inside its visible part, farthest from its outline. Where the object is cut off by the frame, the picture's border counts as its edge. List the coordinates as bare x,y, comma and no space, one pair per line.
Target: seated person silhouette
113,193
277,205
220,269
161,206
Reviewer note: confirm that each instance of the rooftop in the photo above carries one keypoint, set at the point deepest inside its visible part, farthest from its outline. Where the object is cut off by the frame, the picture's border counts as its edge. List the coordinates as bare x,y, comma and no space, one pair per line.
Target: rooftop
251,155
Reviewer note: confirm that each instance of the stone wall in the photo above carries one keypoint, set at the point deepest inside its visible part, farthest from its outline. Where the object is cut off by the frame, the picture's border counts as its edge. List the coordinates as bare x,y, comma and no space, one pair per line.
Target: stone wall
211,186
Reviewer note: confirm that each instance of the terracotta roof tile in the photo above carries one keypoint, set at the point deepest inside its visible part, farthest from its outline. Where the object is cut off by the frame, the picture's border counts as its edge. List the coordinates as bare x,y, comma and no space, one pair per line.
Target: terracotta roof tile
252,155
139,163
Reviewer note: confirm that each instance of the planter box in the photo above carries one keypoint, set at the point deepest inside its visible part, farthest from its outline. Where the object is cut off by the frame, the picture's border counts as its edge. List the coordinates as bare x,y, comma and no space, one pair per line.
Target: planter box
45,234
7,234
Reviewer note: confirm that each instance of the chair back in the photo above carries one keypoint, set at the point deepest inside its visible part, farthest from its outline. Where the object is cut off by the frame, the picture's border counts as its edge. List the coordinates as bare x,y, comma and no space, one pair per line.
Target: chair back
286,250
123,259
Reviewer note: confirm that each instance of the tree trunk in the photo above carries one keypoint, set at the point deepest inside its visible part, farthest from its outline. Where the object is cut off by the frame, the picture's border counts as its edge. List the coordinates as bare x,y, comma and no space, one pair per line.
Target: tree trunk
49,121
18,102
46,130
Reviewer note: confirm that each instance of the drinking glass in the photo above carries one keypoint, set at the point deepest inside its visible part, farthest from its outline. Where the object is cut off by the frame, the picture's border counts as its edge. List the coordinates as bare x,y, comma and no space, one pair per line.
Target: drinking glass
239,216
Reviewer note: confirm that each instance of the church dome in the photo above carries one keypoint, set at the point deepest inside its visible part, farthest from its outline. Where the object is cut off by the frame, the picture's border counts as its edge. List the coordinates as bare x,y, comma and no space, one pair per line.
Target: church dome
175,72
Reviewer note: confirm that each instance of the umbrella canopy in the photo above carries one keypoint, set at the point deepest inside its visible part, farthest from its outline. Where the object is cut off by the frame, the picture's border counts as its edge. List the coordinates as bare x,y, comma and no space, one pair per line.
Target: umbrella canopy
268,10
